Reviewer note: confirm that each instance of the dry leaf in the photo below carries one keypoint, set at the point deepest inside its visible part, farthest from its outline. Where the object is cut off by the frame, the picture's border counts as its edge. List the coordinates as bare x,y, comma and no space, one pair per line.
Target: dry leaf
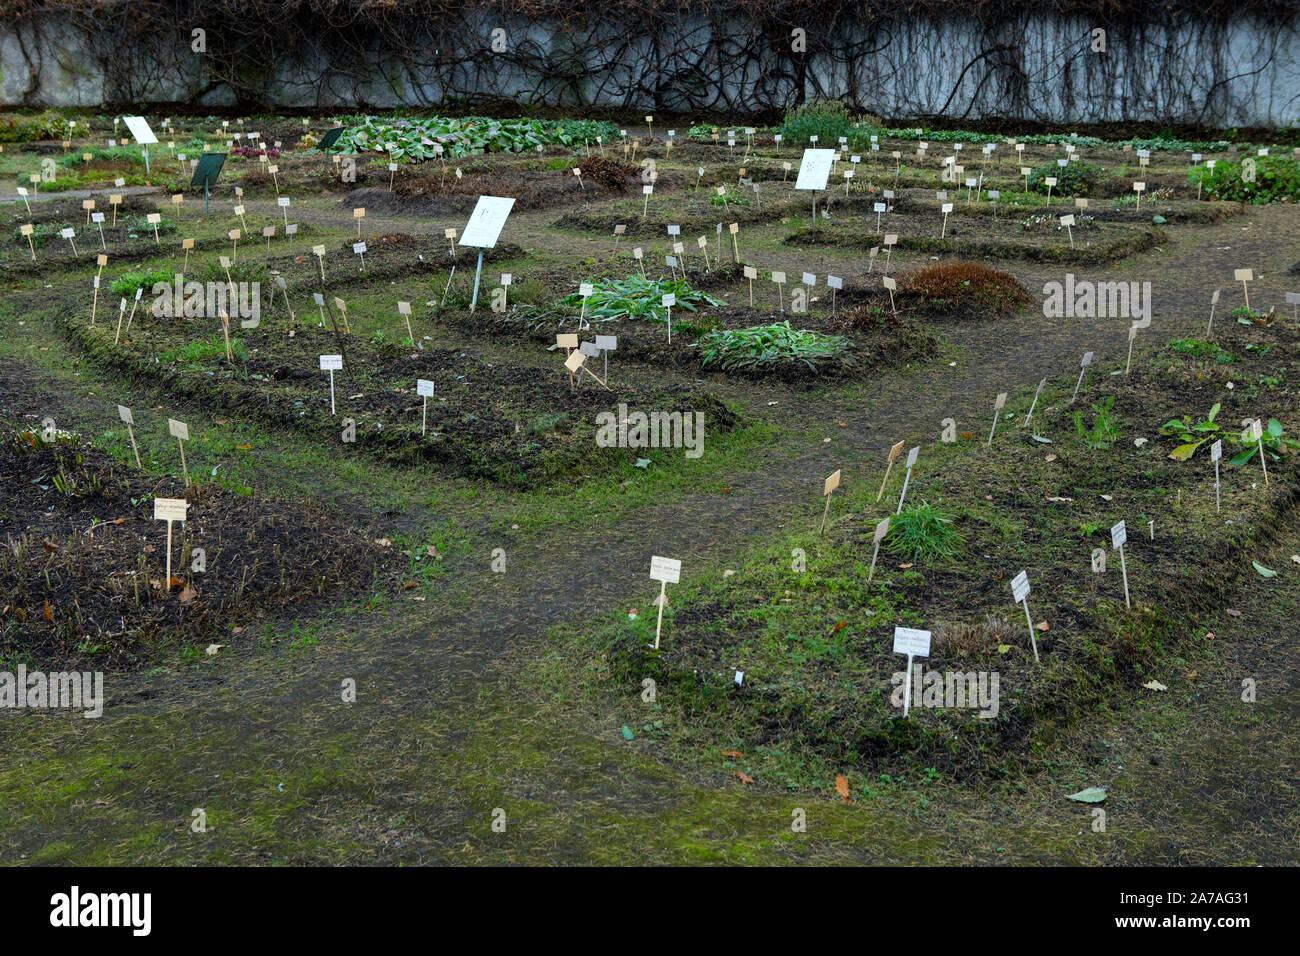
742,777
1043,626
1051,458
213,648
732,753
119,521
1190,674
48,615
384,542
1233,613
839,626
967,435
188,594
1154,685
842,786
904,567
1209,635
408,585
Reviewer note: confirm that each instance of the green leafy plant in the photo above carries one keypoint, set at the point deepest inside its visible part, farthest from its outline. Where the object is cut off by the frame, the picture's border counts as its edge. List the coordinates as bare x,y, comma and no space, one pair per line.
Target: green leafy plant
1191,435
1200,348
923,533
1276,444
126,284
766,346
1276,179
414,138
638,297
1104,431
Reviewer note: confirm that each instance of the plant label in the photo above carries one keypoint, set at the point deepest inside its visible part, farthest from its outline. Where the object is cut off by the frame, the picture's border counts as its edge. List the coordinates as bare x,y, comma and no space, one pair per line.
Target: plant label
485,223
169,509
815,169
424,388
331,363
1020,587
1118,535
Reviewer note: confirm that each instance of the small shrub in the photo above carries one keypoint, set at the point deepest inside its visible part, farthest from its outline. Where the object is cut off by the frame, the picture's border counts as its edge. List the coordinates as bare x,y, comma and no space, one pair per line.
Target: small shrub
28,129
951,285
1073,179
827,120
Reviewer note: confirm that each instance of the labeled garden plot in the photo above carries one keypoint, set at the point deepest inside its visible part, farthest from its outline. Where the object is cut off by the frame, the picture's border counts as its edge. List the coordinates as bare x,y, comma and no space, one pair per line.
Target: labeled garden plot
808,623
83,568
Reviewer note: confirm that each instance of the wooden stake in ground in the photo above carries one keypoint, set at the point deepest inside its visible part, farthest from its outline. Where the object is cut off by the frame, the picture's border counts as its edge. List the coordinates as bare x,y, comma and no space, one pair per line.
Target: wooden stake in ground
734,229
1214,301
187,245
911,463
1118,535
358,215
1139,188
890,284
1034,404
94,302
668,302
751,273
424,388
890,240
1000,401
181,432
577,362
646,190
343,308
26,229
832,483
67,234
882,528
115,200
22,192
319,253
267,233
404,310
666,571
618,232
1020,591
169,510
947,208
234,235
893,453
1243,276
128,419
121,314
225,331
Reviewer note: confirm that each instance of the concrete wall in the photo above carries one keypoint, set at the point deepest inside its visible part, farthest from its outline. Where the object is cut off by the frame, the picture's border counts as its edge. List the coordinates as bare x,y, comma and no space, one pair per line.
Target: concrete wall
1242,72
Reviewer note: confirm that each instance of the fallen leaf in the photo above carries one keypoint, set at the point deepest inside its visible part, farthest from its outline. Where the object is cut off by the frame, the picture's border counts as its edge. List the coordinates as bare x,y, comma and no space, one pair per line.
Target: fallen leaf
408,585
904,567
1190,674
213,648
842,786
119,521
732,753
1107,497
742,777
1154,685
1296,558
839,626
967,435
1042,626
1003,648
243,447
188,594
1051,458
1209,635
1090,795
384,542
1233,613
1263,571
48,614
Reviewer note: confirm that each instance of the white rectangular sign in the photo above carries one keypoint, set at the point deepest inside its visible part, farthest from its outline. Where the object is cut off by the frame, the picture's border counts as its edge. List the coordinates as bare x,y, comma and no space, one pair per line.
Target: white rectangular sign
815,169
668,570
169,509
486,222
912,642
331,362
140,130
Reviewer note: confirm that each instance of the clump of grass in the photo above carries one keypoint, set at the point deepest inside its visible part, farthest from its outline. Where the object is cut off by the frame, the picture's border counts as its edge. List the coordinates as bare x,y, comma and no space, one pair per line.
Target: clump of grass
967,640
766,346
953,284
923,533
1104,431
204,351
1073,179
